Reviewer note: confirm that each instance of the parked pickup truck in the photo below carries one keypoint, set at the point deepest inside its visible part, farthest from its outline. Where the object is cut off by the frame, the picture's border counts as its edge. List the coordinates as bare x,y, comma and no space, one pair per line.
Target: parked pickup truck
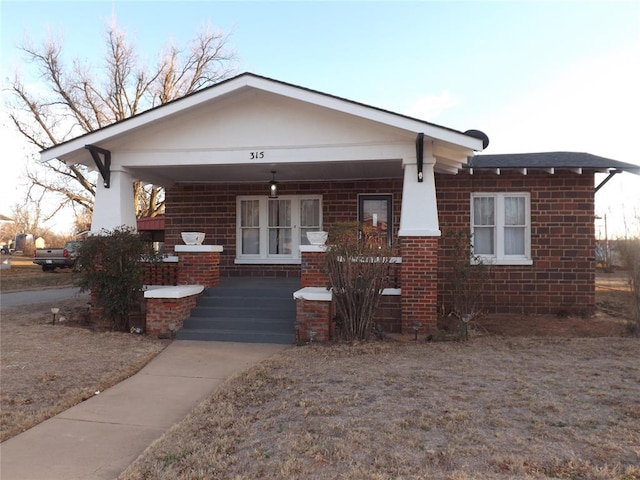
52,258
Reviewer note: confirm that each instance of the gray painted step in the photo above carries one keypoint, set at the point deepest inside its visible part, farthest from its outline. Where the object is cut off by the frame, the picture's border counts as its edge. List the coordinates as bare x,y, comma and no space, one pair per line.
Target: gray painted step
235,336
225,323
252,310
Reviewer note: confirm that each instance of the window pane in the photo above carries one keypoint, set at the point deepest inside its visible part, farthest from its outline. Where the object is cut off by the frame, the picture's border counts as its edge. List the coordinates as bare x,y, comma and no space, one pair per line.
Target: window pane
514,240
279,213
250,241
483,211
483,240
250,213
310,213
279,241
374,215
514,211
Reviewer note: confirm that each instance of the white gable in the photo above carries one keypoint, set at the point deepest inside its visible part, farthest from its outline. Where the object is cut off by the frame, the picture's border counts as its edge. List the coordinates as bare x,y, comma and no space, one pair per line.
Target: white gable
251,120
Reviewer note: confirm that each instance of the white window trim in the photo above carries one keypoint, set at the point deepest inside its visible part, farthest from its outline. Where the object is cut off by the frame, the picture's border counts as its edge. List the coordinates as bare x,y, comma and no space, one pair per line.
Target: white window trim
499,258
264,257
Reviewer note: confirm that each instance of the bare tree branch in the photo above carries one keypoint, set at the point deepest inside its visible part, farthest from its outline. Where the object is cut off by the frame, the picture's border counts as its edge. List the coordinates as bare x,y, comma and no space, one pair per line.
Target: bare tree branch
82,99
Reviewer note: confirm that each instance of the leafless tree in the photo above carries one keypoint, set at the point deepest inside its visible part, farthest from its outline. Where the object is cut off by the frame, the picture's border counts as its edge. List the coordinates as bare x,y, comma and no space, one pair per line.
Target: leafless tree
81,99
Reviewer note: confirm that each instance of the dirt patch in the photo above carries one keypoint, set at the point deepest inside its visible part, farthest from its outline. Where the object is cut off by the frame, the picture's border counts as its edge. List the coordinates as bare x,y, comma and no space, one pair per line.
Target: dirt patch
47,368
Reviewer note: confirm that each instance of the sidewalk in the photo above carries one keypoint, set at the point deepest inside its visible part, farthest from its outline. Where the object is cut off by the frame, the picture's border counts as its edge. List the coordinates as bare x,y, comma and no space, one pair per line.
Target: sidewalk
99,438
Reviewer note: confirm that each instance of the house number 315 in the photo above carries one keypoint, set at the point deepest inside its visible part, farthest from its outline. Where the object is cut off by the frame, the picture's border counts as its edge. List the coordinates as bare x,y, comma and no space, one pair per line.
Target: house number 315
256,155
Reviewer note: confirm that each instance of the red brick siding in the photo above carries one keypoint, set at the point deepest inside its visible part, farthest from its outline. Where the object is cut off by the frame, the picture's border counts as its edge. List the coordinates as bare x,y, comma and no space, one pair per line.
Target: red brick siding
199,268
388,314
164,273
562,277
164,312
419,280
313,270
313,316
212,209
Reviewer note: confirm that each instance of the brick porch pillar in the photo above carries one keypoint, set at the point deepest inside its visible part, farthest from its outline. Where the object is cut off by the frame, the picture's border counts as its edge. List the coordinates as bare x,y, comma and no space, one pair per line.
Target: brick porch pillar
199,265
313,269
419,280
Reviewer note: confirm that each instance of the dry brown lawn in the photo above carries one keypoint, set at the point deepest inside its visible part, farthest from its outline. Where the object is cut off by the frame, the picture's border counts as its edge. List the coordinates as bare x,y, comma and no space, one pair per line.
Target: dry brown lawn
523,399
490,408
46,369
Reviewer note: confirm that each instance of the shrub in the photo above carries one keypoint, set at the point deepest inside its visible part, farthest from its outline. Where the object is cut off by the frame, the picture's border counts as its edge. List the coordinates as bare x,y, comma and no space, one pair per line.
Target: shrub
630,259
465,280
357,263
109,265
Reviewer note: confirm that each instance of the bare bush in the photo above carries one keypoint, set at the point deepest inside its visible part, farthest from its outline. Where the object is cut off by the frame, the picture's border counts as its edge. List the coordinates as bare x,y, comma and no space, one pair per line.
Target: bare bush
357,261
630,257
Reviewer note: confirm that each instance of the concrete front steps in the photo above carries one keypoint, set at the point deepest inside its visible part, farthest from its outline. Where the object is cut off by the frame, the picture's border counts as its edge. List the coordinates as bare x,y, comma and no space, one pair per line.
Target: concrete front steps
246,310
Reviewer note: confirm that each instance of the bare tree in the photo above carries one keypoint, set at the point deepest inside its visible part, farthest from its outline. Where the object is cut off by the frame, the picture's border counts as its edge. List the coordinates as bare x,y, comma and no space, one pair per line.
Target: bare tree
81,101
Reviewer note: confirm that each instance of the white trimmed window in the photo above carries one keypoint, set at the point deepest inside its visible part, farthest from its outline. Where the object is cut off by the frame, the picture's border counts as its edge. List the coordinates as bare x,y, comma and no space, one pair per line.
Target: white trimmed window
271,230
501,227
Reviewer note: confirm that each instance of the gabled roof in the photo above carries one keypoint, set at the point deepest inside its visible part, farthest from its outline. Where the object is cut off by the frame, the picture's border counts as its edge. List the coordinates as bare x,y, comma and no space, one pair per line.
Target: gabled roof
252,81
551,160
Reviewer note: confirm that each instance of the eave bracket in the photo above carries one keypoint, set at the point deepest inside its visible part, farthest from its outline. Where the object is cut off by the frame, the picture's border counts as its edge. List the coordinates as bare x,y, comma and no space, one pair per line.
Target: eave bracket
103,164
611,174
420,155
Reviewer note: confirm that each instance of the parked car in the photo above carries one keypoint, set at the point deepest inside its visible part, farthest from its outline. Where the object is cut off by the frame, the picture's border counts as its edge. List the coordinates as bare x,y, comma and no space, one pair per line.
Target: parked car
61,257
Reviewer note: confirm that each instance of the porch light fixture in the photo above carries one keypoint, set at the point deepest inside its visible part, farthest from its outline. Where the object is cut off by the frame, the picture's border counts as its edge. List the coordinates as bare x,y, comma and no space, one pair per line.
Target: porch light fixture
273,185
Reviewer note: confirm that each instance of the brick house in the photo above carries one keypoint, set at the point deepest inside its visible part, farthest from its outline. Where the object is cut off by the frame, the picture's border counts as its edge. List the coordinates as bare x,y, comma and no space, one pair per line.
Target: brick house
220,151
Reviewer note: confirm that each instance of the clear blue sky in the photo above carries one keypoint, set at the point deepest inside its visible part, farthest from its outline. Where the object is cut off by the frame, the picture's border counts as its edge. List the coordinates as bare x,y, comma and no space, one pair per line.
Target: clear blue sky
535,76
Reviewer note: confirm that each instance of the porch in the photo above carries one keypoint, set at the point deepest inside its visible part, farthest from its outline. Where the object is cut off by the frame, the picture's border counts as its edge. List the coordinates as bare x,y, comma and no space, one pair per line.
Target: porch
197,303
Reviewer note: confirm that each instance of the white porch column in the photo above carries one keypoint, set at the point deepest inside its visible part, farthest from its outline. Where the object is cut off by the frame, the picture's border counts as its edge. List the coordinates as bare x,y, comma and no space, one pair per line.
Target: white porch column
114,207
419,215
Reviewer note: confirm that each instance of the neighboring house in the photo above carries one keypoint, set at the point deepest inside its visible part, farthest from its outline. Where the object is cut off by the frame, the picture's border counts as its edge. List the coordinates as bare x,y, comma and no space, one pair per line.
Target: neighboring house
218,152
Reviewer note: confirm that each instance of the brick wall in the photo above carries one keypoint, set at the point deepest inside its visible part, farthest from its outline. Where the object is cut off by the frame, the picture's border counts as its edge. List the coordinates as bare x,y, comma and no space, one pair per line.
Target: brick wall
212,209
162,273
164,314
199,268
313,316
562,277
419,280
388,314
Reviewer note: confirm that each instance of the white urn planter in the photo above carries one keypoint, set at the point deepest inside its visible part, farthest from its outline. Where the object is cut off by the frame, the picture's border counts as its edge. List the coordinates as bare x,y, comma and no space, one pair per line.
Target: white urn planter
317,238
193,238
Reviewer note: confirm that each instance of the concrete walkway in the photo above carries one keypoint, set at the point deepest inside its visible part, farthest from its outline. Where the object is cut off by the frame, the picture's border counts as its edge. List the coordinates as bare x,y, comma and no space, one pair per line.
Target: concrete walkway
100,437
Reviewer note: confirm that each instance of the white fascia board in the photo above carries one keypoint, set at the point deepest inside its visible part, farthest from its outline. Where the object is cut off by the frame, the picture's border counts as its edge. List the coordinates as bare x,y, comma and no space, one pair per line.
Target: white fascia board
374,114
236,84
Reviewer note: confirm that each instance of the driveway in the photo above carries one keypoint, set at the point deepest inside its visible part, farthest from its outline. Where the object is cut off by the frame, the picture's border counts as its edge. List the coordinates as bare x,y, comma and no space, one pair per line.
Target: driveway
32,297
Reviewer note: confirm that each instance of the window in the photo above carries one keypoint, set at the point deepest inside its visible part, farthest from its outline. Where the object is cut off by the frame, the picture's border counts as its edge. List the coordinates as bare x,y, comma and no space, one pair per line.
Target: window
374,211
500,225
270,230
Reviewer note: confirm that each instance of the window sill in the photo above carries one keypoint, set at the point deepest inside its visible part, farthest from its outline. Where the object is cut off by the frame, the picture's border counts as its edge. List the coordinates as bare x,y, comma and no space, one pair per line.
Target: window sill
267,261
505,261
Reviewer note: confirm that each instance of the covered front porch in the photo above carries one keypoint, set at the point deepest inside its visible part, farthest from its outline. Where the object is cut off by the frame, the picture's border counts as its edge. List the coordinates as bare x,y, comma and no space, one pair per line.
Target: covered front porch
218,153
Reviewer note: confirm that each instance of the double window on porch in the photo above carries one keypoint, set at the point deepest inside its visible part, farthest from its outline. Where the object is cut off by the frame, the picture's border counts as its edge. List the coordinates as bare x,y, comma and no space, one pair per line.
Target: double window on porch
272,229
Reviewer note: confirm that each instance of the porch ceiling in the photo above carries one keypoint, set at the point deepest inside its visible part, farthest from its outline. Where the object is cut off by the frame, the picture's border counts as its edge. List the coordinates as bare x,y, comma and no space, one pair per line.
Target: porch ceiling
261,173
